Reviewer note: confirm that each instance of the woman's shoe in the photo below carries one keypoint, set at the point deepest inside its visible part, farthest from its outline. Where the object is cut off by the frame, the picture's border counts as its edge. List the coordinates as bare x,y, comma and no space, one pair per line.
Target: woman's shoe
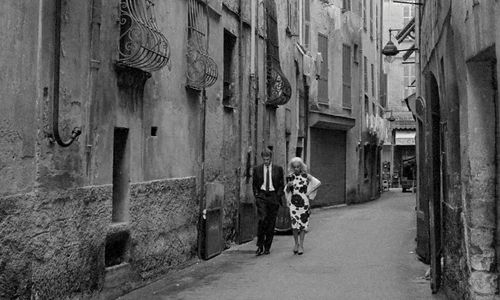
295,249
300,252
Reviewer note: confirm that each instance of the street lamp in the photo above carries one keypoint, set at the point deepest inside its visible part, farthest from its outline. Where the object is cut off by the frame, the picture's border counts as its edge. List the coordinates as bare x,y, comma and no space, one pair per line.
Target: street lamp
391,117
390,49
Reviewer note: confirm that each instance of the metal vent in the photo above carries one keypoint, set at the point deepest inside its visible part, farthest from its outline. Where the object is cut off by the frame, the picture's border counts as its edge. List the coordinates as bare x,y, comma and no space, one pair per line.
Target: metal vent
142,45
202,70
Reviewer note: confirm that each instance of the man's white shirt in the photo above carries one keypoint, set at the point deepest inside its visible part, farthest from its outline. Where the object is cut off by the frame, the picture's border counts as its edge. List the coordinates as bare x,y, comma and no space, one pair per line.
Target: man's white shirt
271,187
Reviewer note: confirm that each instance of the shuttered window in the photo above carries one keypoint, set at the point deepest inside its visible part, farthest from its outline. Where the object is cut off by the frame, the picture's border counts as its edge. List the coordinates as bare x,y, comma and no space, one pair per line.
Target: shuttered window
346,76
364,14
346,5
371,20
365,71
323,77
373,80
307,24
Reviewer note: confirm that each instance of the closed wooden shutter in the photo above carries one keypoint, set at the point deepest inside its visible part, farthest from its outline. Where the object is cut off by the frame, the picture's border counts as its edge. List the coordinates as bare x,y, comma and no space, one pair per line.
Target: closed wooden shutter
346,76
323,78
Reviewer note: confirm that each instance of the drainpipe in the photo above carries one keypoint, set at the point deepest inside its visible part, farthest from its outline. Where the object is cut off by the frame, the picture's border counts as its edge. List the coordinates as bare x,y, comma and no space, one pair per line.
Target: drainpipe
95,61
57,72
252,38
242,169
202,203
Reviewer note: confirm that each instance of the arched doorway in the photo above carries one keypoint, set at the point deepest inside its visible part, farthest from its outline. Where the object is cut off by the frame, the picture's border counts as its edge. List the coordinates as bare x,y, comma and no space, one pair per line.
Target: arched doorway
437,170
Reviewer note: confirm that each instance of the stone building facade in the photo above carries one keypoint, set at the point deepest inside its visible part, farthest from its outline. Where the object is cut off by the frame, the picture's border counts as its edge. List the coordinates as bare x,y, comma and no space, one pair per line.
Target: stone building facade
373,125
457,145
400,83
116,169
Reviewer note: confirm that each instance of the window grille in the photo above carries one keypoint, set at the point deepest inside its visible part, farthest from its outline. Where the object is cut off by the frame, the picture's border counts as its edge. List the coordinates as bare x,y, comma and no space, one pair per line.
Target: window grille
279,90
202,70
142,45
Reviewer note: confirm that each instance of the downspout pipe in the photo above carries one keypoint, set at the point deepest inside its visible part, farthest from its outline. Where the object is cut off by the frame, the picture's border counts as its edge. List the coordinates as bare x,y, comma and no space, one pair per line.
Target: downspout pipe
57,74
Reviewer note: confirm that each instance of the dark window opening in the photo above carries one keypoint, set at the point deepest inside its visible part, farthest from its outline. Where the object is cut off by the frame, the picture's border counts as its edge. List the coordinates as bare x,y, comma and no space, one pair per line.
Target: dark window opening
121,167
154,131
366,161
298,152
228,91
115,251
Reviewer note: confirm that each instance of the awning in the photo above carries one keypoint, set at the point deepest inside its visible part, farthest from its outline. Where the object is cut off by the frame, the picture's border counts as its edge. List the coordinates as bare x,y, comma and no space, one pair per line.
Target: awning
416,105
405,138
328,121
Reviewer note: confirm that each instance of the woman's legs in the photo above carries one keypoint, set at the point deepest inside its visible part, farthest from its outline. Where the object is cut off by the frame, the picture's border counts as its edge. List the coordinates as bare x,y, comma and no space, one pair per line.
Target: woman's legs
302,234
296,238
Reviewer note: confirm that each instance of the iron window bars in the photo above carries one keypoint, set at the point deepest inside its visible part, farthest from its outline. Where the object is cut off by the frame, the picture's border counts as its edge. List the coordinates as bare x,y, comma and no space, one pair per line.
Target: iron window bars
142,45
201,69
279,90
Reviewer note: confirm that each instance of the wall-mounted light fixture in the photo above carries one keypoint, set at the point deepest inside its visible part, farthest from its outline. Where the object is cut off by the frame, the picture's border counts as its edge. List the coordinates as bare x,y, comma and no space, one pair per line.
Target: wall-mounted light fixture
390,48
391,118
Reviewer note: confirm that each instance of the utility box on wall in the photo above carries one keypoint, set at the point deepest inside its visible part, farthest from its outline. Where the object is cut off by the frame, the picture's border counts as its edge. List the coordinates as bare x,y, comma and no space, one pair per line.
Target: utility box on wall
212,221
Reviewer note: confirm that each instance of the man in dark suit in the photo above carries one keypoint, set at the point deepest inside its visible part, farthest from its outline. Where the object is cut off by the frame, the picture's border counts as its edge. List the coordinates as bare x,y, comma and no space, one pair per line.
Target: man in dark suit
268,189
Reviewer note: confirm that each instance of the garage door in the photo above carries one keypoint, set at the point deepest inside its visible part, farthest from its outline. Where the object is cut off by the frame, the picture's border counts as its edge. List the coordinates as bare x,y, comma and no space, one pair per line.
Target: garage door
328,164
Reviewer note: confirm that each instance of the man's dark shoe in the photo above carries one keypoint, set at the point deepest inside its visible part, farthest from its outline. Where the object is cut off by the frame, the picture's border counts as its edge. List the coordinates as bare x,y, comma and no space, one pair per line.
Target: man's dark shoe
266,252
259,251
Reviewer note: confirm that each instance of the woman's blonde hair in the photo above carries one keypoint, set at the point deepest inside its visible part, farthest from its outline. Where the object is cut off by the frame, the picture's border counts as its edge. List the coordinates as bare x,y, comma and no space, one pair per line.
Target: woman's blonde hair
295,160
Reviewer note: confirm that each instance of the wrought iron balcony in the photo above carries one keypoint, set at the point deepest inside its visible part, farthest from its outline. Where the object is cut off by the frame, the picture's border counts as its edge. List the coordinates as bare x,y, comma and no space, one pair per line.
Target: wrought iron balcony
202,70
279,89
142,45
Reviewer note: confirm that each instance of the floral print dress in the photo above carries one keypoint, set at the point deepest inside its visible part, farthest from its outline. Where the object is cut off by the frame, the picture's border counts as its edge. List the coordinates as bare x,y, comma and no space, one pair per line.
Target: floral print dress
299,202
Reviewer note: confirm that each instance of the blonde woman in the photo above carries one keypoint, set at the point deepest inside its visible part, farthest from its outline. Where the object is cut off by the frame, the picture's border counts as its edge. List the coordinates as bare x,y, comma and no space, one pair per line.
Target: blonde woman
300,188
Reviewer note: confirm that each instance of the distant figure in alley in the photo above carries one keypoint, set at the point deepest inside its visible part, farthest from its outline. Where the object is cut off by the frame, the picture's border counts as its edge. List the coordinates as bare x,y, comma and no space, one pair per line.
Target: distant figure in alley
268,189
300,188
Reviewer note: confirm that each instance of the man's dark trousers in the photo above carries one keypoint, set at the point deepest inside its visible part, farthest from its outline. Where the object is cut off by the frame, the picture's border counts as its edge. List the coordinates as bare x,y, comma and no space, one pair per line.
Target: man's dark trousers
267,207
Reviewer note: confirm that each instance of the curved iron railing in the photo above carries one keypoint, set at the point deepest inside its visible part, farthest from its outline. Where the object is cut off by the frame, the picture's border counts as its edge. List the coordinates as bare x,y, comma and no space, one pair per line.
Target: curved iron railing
142,45
279,90
202,70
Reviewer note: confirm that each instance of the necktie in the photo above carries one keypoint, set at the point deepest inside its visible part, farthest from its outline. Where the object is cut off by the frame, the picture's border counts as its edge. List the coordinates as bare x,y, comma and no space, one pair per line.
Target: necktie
267,179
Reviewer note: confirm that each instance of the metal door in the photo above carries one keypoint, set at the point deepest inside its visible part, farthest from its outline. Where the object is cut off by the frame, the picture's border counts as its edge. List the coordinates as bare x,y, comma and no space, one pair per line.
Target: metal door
212,221
328,164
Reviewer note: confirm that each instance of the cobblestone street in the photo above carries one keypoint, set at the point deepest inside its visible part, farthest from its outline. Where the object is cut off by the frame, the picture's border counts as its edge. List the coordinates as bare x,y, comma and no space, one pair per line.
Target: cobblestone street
356,252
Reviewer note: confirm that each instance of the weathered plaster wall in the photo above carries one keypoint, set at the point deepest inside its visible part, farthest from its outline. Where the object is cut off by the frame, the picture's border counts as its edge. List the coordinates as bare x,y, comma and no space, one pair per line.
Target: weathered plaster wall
457,48
164,214
60,250
341,28
371,47
19,96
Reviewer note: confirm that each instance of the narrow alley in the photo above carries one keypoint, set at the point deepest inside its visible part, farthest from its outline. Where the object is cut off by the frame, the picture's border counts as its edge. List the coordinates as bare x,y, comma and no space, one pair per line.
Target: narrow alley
356,252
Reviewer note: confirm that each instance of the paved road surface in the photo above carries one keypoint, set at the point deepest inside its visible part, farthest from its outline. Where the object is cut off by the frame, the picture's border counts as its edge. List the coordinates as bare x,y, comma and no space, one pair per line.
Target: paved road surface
355,252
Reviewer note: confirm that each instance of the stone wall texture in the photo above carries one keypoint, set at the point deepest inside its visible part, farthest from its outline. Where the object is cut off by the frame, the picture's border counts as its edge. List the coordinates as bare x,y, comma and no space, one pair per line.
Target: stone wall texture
459,82
52,245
